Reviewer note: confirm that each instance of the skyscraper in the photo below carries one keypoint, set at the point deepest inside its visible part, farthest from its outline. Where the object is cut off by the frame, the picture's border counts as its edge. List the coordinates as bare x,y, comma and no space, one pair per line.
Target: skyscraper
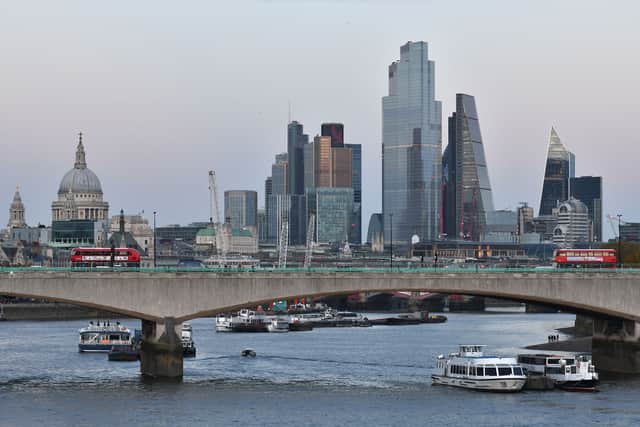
560,167
241,208
277,197
588,189
335,131
355,236
467,190
411,147
296,142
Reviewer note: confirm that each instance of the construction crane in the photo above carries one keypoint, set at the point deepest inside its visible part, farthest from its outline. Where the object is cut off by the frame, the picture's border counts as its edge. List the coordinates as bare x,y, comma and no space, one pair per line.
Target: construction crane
221,243
614,221
309,248
283,245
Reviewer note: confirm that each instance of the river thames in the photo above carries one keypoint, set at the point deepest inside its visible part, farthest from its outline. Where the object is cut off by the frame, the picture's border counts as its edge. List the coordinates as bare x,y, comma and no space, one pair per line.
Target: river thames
334,376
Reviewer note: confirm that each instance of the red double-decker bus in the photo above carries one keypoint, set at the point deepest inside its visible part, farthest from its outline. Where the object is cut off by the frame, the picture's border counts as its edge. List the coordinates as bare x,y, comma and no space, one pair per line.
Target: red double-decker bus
585,258
104,257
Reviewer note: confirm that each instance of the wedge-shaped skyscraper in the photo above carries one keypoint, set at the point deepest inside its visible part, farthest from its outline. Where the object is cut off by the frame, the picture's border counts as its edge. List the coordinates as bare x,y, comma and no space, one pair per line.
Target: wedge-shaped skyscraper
559,169
467,189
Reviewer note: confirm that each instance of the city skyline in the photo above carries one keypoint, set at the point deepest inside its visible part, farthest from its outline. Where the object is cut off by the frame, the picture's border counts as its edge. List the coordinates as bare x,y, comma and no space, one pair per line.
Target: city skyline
169,148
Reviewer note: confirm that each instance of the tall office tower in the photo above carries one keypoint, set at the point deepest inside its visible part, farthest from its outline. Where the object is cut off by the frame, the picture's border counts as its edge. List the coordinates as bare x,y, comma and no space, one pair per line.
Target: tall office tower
296,142
277,200
560,167
355,236
411,147
473,197
322,167
341,167
335,131
588,189
241,208
448,227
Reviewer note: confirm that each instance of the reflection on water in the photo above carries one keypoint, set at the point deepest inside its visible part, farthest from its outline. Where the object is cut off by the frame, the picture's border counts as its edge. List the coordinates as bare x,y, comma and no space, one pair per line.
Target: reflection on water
360,376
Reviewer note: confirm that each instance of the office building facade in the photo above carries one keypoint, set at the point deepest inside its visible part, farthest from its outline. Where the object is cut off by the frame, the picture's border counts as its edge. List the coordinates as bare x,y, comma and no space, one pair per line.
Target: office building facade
335,131
296,142
559,169
467,196
241,208
411,147
355,237
332,209
588,189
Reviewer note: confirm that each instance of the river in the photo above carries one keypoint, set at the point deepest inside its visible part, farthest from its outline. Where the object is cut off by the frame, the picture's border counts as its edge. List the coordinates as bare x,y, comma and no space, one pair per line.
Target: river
335,376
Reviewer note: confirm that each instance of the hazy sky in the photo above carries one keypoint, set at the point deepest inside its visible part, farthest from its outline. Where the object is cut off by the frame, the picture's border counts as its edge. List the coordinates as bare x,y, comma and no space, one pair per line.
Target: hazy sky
166,90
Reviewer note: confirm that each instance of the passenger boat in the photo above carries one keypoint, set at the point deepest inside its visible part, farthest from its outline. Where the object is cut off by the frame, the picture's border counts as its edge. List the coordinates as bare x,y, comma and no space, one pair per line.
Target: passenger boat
278,324
573,373
101,336
297,326
245,321
188,345
470,368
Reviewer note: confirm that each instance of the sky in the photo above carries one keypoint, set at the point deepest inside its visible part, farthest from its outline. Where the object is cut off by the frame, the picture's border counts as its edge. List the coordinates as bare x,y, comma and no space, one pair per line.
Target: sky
164,91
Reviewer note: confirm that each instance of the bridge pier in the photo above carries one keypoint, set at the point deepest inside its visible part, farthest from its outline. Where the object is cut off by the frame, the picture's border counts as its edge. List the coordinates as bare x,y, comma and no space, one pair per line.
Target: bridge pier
616,345
161,350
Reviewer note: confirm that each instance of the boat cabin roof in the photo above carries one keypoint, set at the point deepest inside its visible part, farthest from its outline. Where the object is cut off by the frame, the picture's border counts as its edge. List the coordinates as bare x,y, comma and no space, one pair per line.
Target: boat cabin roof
471,350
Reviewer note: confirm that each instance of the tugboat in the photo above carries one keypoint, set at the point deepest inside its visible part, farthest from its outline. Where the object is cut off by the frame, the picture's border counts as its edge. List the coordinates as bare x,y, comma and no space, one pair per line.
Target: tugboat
470,368
101,336
188,346
571,373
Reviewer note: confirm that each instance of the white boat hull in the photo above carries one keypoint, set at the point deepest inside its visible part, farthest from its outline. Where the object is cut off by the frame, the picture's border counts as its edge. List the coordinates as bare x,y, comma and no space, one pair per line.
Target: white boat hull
508,385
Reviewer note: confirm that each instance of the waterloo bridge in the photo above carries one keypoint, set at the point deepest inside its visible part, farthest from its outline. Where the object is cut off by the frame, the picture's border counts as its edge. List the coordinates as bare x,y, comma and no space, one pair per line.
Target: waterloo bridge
163,299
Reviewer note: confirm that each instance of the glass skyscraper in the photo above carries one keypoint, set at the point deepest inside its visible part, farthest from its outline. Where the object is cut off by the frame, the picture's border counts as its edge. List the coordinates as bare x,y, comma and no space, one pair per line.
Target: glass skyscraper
559,169
241,208
355,236
296,142
588,189
467,189
411,147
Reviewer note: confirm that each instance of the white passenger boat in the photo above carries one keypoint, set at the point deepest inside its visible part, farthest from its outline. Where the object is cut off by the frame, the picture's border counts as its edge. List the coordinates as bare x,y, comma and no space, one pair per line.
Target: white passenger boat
224,322
101,336
568,372
278,324
470,368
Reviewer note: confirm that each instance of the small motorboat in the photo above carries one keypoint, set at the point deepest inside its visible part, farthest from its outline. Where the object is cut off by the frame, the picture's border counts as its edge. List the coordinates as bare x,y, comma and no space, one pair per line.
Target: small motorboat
124,353
248,352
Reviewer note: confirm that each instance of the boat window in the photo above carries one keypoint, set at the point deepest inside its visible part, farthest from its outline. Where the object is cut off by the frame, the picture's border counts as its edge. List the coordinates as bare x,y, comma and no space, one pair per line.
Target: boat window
490,371
553,361
479,371
517,370
570,361
472,371
504,371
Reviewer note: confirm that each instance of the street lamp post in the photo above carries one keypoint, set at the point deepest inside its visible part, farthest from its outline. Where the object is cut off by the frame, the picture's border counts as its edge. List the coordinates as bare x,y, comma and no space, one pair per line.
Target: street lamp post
391,241
619,242
154,240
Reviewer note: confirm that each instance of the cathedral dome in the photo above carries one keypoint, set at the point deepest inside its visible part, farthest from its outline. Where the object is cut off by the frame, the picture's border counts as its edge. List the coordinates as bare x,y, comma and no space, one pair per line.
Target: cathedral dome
80,179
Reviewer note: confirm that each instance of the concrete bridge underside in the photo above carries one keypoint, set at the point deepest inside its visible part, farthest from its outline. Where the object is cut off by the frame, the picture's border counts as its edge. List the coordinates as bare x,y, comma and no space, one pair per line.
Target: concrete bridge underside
164,300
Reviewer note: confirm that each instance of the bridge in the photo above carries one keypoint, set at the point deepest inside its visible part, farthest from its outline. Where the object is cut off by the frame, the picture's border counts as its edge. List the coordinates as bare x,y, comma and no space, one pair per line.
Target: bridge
163,299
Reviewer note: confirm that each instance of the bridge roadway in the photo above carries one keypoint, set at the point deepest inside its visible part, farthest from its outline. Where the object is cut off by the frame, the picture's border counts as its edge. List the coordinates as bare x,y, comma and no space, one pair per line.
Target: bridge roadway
163,300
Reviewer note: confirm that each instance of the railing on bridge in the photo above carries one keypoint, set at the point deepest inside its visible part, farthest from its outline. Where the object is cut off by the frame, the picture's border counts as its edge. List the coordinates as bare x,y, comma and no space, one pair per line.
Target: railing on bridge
442,270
